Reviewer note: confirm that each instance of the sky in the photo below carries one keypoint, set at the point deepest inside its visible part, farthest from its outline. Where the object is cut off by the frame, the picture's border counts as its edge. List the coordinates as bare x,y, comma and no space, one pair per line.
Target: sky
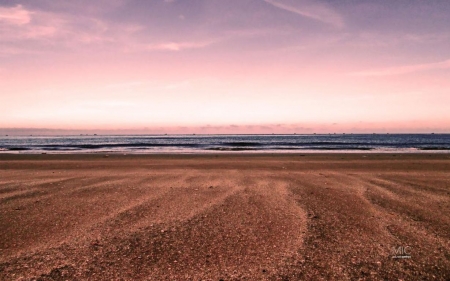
234,66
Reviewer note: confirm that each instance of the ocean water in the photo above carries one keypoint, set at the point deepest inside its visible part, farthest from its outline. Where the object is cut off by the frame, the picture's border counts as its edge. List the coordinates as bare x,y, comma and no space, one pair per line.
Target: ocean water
227,143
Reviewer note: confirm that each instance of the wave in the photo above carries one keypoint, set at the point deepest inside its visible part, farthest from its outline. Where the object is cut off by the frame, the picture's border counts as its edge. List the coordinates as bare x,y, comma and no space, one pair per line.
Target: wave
147,144
18,148
434,148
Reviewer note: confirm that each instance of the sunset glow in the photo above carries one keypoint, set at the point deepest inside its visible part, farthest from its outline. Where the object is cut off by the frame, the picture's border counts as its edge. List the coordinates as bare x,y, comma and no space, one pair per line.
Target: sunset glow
213,66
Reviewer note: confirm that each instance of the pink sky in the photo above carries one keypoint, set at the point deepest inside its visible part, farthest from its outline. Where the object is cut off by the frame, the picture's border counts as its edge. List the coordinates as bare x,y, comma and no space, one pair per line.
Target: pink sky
215,66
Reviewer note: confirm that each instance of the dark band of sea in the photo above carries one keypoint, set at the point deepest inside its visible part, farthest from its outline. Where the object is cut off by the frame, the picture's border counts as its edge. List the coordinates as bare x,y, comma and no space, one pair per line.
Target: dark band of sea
413,143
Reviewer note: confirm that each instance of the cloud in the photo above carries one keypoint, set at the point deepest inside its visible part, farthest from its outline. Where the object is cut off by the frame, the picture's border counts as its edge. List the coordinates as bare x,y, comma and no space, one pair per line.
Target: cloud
179,46
22,24
25,30
403,69
311,10
228,35
250,33
14,15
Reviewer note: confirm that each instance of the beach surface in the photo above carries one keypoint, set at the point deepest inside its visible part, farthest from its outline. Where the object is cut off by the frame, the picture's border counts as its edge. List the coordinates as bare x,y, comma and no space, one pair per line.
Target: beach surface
225,217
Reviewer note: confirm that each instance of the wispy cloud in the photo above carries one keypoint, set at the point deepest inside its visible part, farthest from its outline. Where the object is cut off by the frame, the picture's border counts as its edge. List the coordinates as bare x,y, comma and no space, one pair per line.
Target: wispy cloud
252,32
310,9
26,30
179,46
175,46
20,24
404,69
23,30
14,15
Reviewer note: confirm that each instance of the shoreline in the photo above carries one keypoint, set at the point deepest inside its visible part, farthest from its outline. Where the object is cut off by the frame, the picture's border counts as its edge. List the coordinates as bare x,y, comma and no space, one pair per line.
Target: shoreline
238,153
230,154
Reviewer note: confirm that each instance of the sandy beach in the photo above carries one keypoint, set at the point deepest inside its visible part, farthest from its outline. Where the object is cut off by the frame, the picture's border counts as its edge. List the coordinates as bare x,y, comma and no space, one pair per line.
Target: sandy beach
225,217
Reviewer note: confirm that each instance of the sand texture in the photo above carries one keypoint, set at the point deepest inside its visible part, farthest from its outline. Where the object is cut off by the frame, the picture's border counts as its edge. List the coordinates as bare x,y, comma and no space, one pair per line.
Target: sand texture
224,217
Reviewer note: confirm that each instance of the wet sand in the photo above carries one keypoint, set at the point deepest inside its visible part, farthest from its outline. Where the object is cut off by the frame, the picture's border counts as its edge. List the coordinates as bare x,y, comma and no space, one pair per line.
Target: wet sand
225,217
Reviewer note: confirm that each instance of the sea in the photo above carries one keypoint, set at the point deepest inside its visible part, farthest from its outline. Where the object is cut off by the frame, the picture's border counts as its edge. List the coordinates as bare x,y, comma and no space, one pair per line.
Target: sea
155,144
